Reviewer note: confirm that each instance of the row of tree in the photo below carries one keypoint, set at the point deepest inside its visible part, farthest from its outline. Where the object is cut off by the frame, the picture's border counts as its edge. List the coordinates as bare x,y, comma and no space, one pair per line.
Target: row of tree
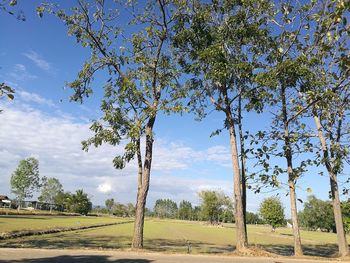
26,180
288,60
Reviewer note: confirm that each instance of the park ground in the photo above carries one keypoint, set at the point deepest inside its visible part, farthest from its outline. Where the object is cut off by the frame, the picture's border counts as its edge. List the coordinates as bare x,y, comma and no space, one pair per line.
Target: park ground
171,238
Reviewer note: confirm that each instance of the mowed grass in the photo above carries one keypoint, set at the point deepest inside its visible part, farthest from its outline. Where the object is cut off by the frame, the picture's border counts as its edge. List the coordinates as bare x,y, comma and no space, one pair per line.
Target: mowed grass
176,236
14,223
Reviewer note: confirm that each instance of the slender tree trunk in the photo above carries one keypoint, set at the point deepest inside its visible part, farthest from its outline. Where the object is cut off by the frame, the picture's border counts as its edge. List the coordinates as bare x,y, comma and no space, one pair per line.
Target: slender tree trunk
242,240
144,180
342,242
243,162
291,177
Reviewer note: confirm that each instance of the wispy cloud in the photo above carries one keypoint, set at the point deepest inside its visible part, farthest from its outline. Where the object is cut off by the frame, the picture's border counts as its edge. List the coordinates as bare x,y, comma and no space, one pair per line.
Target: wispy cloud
55,141
33,97
20,73
38,60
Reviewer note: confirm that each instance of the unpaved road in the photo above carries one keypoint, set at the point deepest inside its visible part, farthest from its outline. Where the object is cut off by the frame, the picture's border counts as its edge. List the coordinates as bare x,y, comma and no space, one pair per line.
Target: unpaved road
13,255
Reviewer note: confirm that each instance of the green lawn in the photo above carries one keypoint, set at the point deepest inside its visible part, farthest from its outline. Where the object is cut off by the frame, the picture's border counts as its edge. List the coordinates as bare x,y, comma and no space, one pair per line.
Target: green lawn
173,236
13,223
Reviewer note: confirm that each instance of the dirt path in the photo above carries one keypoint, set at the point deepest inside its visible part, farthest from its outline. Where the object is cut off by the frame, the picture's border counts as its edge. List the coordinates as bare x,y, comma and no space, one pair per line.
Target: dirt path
12,255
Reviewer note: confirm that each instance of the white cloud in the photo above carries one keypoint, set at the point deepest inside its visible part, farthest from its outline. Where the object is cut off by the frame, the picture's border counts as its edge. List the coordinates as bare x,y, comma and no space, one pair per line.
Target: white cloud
104,188
38,60
33,97
20,73
56,141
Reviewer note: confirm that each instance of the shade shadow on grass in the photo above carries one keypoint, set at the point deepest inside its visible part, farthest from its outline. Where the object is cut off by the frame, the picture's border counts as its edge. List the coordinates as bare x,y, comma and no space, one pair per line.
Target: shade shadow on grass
326,250
25,217
76,259
168,245
60,241
57,242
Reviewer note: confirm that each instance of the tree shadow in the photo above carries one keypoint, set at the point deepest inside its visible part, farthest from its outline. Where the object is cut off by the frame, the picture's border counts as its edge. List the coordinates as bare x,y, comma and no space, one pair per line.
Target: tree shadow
60,241
24,217
56,242
78,258
185,246
325,250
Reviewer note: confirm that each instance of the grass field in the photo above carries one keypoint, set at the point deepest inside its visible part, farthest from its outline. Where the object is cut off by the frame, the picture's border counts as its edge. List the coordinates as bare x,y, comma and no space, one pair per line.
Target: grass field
13,223
172,236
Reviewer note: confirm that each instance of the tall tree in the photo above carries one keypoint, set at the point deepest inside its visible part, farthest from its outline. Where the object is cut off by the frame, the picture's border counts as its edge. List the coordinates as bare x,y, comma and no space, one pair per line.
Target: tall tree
327,95
272,212
212,204
141,80
25,180
285,81
109,203
185,210
165,208
219,44
79,202
317,214
51,188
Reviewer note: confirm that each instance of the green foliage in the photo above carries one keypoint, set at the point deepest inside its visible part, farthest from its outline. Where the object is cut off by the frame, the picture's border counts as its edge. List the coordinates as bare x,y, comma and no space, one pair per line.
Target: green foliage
317,214
272,212
25,180
123,210
215,206
50,190
165,208
253,218
79,202
7,6
141,80
185,210
345,206
6,90
221,46
109,203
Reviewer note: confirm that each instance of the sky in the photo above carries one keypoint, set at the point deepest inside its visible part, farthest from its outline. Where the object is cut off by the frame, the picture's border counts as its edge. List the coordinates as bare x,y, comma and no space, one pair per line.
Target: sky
37,58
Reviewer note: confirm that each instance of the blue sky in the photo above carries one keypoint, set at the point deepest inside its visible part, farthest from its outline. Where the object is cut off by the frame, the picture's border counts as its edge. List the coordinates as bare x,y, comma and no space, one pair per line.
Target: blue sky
37,58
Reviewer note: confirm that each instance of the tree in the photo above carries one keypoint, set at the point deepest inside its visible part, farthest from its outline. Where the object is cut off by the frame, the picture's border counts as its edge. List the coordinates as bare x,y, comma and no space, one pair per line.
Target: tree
272,212
185,210
317,214
285,78
253,218
165,208
140,79
25,180
130,210
109,203
196,213
219,44
119,210
63,199
212,204
79,203
327,96
51,188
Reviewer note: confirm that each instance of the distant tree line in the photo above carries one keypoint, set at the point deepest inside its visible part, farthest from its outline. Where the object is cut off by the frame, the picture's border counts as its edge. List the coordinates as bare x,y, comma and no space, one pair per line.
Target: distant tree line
25,181
318,215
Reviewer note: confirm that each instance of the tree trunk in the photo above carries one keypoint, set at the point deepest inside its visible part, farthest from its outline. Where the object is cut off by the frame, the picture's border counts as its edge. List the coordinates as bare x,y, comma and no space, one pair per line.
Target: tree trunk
291,177
243,162
242,240
143,187
342,242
